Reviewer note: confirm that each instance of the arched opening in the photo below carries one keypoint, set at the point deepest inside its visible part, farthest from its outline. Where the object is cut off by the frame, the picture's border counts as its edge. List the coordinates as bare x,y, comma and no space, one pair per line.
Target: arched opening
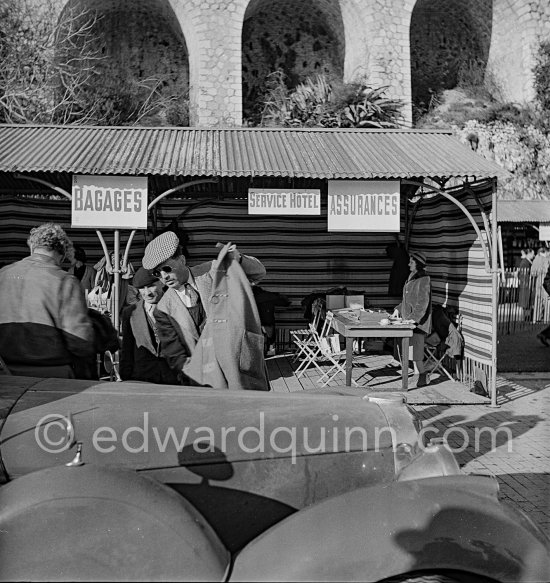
302,38
450,41
142,73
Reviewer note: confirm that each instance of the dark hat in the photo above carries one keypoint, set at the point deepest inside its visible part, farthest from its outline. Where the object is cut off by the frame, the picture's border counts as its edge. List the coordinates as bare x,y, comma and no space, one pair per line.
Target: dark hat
160,249
79,253
143,278
418,256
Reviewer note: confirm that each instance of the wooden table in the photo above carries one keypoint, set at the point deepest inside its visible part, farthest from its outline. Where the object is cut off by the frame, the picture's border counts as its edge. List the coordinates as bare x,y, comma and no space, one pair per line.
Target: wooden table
350,328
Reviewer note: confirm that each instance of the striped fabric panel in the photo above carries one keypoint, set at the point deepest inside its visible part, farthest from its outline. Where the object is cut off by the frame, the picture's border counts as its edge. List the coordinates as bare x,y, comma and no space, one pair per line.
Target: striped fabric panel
300,256
456,264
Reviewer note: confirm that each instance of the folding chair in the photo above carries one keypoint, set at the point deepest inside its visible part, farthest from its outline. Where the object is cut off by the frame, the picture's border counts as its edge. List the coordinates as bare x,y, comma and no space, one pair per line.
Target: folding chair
311,352
329,350
314,348
434,350
303,337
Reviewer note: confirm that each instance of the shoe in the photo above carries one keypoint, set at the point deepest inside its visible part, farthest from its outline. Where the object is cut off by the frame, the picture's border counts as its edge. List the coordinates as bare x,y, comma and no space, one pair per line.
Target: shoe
543,339
423,380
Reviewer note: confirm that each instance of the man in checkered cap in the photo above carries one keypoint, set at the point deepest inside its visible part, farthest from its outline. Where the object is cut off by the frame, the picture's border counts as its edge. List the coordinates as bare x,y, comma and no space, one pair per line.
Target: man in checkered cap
181,313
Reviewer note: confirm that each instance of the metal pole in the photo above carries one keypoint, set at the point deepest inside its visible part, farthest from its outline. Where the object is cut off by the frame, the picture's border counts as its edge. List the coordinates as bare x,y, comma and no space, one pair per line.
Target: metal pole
116,279
494,302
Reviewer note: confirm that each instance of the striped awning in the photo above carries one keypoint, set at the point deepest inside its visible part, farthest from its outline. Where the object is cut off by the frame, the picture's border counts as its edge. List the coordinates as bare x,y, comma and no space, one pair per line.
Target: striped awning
523,211
232,152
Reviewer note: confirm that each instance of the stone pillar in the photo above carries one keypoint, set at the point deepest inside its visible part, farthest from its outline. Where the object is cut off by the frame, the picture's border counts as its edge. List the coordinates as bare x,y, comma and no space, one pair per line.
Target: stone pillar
513,45
213,31
387,52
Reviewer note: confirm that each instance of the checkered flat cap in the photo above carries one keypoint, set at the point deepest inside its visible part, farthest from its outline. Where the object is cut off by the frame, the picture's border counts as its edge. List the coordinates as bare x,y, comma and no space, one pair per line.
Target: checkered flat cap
160,249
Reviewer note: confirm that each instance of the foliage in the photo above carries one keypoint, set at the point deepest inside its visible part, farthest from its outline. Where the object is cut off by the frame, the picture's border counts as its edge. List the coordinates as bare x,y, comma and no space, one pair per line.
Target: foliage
38,80
516,136
541,72
373,110
53,71
128,100
319,103
522,150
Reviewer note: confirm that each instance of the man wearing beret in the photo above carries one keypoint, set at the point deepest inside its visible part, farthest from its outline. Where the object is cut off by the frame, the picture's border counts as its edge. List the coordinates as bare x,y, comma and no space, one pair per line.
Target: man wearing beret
140,358
182,312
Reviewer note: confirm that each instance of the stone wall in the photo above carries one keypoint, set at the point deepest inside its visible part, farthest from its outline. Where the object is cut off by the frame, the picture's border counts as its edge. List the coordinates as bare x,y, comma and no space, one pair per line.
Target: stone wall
223,49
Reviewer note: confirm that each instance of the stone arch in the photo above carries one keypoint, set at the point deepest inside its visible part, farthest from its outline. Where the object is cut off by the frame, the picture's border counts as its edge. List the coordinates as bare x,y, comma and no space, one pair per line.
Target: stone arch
449,41
143,45
300,37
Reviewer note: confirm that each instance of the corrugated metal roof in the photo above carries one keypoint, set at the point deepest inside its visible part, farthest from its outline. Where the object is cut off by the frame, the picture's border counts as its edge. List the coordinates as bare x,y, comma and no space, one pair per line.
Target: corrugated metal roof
523,211
308,153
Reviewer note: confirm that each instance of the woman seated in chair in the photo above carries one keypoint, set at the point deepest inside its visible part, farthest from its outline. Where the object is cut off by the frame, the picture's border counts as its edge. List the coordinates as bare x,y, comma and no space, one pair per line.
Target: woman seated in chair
416,305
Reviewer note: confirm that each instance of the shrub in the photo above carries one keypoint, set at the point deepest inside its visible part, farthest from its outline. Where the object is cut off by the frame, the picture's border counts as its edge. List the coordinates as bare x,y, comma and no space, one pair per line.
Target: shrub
317,102
541,72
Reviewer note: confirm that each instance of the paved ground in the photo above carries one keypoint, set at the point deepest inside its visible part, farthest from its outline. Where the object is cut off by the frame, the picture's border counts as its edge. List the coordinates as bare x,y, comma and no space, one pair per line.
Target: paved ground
519,457
523,352
514,443
374,371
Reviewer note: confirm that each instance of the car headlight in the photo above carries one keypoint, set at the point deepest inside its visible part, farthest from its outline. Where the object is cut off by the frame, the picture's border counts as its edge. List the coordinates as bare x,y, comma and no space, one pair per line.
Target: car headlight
434,459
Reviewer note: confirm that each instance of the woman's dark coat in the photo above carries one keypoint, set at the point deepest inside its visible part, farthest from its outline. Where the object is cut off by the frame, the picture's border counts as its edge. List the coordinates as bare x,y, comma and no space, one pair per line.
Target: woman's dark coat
417,301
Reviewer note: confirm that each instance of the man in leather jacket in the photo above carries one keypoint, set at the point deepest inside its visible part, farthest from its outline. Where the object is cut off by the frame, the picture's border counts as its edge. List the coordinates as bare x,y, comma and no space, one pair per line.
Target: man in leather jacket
44,324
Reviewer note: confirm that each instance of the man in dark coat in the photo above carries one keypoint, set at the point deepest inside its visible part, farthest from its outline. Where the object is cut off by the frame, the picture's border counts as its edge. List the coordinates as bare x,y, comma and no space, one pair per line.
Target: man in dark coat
267,301
140,358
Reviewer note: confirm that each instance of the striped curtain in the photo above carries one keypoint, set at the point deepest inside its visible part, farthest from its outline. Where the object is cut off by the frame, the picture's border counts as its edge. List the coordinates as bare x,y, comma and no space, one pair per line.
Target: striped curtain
300,256
456,263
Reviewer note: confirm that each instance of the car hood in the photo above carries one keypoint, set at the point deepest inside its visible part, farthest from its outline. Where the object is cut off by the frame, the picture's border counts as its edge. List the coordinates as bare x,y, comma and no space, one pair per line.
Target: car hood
145,426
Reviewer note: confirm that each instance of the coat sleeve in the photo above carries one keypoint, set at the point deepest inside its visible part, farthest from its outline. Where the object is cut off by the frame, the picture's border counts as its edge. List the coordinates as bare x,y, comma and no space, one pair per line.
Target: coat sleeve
253,268
422,299
172,348
127,351
75,324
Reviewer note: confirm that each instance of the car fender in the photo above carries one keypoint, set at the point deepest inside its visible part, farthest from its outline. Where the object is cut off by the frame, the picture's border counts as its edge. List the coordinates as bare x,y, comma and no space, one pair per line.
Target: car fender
453,522
93,523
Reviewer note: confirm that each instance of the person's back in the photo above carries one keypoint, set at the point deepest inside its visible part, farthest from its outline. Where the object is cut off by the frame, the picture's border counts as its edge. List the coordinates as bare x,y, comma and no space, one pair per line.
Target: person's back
44,325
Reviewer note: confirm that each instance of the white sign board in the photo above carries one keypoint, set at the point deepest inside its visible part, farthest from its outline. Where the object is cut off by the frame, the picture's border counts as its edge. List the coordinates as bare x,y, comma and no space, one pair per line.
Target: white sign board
544,231
364,205
116,202
280,201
